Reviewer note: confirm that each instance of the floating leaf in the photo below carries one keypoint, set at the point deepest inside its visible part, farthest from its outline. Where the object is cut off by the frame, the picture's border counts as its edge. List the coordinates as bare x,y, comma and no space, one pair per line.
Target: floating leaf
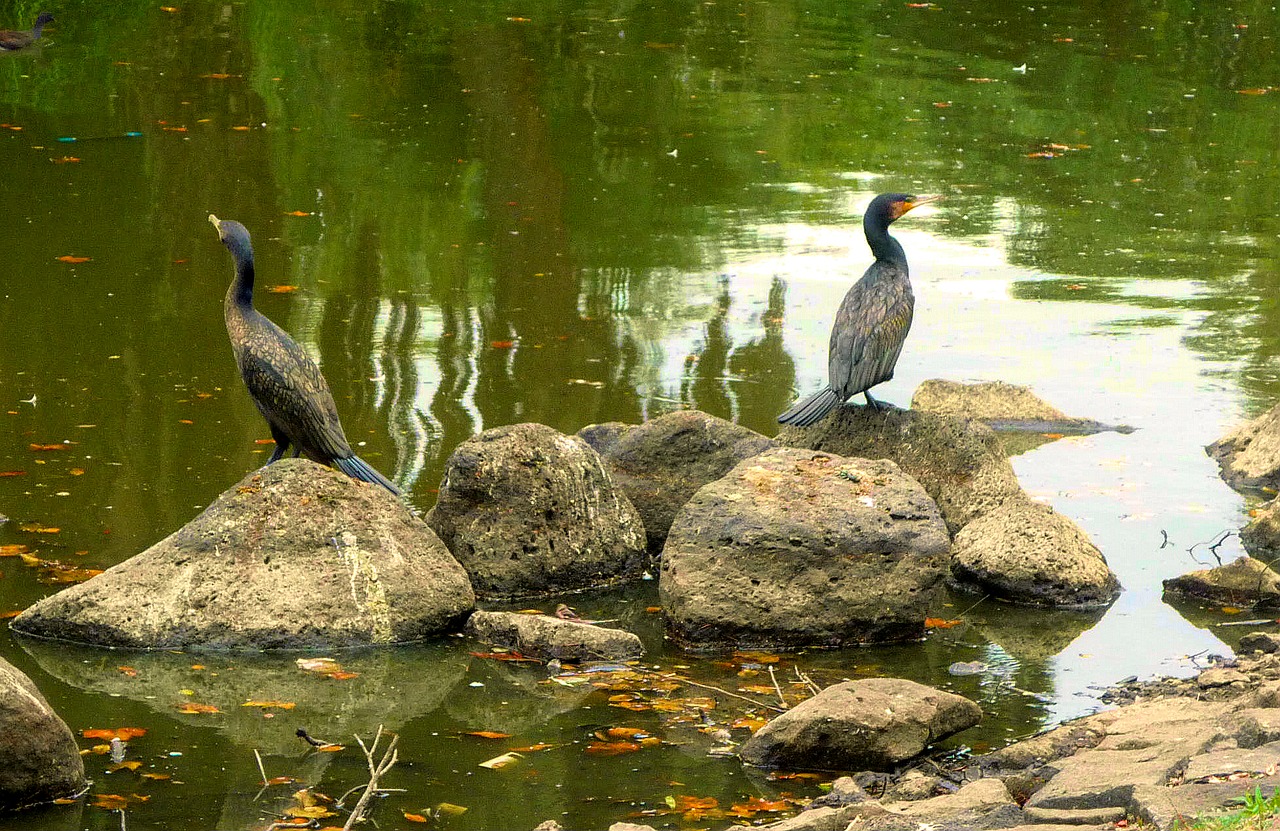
502,344
282,289
129,671
13,550
196,708
1253,91
217,76
487,734
159,777
612,748
757,657
331,748
940,623
44,447
7,473
277,705
534,748
71,258
500,762
414,817
122,733
131,765
504,656
297,213
448,809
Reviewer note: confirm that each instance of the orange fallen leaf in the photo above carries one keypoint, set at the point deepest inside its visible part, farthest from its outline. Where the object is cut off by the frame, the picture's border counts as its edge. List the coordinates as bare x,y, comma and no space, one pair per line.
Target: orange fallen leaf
533,748
342,675
65,160
940,623
7,473
297,213
12,550
174,129
623,733
121,733
414,817
131,766
502,344
1253,91
241,128
277,705
45,447
71,258
281,289
487,734
196,708
169,9
217,76
129,671
280,780
331,748
33,528
10,613
612,748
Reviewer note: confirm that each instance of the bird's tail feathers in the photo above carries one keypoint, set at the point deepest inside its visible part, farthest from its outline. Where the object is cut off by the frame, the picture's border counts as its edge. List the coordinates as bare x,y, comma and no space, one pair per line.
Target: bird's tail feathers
811,409
358,468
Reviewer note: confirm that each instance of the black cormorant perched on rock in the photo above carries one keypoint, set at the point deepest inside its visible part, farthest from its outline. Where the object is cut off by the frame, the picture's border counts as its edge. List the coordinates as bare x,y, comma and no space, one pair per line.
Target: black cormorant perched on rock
284,383
11,40
873,319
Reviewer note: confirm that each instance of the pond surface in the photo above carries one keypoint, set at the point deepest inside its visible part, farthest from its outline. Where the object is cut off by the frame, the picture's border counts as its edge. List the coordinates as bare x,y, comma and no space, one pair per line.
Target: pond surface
485,213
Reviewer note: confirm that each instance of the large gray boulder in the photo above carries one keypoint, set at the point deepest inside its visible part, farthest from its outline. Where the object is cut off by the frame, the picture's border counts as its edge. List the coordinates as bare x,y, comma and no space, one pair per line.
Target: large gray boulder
294,556
1025,552
546,637
41,760
798,547
958,461
1242,582
1249,456
530,511
870,724
661,463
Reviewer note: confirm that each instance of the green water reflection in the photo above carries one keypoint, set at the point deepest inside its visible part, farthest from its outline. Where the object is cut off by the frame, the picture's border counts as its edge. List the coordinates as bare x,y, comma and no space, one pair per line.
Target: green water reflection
573,213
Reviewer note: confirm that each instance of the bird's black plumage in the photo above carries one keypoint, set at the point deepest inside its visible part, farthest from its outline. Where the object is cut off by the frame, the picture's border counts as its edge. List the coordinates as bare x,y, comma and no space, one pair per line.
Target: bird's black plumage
11,40
284,383
873,320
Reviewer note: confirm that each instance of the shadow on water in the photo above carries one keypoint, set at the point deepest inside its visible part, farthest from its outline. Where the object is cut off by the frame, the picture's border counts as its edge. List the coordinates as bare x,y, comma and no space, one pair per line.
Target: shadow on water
486,214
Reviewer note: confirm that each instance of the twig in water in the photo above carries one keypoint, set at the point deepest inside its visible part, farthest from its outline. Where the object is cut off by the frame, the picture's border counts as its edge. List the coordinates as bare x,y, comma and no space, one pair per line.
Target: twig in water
376,770
1165,543
723,692
311,740
776,688
261,769
975,605
123,827
1218,540
807,681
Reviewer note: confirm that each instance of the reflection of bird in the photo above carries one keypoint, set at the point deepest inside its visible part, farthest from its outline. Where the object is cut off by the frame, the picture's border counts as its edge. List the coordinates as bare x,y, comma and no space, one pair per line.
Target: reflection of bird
873,320
283,382
11,40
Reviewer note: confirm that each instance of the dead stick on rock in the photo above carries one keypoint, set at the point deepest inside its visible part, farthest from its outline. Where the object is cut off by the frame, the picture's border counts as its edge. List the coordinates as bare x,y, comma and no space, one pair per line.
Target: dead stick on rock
376,770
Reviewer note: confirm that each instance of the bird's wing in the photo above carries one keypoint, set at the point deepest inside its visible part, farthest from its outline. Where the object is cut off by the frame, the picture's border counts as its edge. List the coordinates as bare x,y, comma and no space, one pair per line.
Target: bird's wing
290,391
868,334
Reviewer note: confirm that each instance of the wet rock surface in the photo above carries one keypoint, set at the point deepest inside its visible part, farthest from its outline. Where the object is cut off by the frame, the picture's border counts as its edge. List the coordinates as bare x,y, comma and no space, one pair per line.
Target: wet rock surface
529,511
796,547
1249,456
1261,537
294,556
1026,552
1243,582
873,723
1005,406
546,637
41,759
958,461
661,463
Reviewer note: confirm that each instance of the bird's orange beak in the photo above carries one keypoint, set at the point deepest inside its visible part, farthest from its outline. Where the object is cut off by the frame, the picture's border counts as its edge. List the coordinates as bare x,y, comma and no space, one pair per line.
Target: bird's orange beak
916,202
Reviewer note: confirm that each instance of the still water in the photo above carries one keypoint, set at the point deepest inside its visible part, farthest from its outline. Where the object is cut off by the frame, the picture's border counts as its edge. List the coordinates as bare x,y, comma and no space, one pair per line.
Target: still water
572,213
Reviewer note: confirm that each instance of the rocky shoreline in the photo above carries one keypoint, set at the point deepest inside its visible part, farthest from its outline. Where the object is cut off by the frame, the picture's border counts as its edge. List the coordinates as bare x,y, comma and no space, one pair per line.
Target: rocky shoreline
838,534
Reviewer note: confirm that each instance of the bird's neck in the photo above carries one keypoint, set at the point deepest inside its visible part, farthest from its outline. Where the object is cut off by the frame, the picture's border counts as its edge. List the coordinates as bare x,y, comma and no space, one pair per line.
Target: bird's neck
883,246
37,29
240,294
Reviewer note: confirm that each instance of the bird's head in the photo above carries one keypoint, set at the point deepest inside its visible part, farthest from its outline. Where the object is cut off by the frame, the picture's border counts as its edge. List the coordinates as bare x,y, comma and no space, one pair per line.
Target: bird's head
43,18
233,235
891,206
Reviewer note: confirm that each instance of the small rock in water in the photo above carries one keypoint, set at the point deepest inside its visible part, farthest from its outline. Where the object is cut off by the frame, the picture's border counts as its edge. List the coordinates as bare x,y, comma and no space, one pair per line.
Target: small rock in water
967,668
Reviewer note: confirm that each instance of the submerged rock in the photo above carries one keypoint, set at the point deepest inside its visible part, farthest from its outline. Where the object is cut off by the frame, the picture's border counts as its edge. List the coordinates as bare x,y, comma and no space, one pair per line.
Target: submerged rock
1005,406
546,637
41,759
1249,456
870,724
1242,582
661,464
530,511
1026,552
958,461
294,556
798,547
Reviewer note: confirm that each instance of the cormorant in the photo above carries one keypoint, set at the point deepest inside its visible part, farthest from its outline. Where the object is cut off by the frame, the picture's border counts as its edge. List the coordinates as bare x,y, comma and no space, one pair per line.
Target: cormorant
11,40
283,381
873,319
